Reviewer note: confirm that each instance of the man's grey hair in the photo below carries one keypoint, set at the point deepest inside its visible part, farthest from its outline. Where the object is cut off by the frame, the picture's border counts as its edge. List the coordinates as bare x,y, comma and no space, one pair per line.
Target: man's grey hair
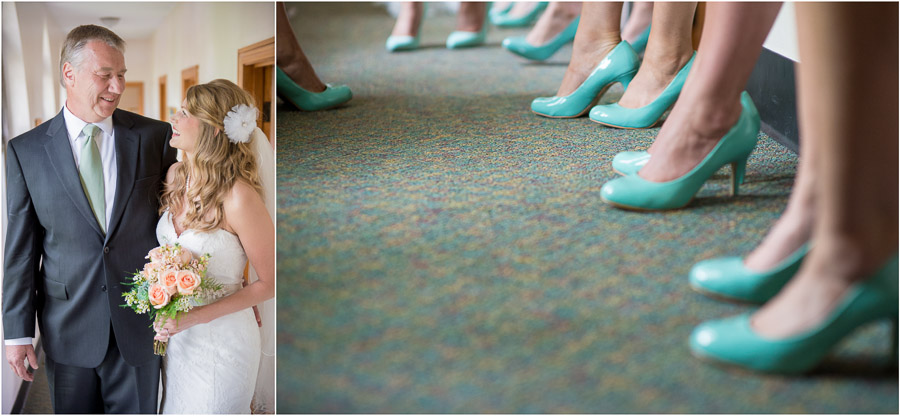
79,37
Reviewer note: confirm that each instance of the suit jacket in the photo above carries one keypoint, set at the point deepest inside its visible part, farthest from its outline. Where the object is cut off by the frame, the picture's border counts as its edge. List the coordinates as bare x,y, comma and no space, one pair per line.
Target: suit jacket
58,264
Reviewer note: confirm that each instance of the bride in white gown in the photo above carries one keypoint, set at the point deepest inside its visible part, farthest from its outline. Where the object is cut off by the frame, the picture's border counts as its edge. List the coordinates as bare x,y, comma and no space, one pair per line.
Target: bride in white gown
213,204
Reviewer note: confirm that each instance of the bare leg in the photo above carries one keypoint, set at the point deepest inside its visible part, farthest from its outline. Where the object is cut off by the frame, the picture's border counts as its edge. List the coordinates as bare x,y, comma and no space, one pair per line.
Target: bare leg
709,104
638,20
597,35
409,19
855,162
470,17
554,20
794,227
668,50
290,57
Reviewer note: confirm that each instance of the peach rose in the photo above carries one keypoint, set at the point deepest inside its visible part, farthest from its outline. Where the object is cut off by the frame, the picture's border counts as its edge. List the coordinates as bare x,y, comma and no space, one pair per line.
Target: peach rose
148,270
168,279
156,255
182,256
158,295
187,281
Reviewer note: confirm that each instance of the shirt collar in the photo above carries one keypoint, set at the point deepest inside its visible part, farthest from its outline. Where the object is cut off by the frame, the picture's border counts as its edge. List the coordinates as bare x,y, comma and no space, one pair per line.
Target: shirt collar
75,125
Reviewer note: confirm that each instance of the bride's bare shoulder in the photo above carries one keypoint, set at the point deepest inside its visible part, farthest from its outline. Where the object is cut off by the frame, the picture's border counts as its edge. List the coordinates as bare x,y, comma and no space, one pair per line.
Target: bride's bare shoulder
242,198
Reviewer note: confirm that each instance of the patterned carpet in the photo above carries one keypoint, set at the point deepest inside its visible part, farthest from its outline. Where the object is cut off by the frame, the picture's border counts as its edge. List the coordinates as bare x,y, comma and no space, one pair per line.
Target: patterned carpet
442,250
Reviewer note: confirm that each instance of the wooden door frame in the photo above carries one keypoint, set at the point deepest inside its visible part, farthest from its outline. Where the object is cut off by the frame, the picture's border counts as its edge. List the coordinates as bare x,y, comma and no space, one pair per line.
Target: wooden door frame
163,107
259,54
189,73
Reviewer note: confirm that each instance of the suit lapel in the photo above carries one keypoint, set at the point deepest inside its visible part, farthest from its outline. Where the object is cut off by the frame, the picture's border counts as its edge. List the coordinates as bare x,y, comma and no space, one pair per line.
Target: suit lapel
59,150
127,149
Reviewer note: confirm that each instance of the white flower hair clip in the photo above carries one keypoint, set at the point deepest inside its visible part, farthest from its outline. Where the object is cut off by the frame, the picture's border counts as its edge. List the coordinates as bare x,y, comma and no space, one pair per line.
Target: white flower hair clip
240,122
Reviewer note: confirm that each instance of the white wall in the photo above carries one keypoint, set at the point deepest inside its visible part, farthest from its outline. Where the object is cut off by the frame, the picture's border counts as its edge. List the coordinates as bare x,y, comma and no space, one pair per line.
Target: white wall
208,35
139,61
782,38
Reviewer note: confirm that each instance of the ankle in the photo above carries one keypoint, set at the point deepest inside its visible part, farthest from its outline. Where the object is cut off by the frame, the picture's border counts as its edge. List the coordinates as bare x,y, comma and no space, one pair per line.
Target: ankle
303,75
667,61
711,118
599,47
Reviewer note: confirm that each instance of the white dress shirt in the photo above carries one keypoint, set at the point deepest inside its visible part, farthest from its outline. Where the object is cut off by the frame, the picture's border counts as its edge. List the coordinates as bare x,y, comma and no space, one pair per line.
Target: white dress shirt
106,144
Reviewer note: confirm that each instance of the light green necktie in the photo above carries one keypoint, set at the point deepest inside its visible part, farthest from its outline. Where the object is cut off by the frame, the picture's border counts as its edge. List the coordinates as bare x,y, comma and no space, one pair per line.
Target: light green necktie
90,167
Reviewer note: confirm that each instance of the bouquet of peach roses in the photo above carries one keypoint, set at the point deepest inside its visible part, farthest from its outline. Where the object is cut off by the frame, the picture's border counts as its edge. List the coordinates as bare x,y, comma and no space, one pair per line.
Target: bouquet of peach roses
172,282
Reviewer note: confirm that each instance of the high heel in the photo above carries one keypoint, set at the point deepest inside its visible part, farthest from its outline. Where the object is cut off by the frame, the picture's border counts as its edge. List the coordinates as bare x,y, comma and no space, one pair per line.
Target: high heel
733,341
635,192
641,42
505,20
614,115
628,163
728,279
737,174
400,43
290,92
462,39
619,65
519,46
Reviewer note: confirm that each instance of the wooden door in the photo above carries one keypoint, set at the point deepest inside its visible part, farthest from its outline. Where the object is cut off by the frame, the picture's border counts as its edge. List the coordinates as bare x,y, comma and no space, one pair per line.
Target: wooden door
256,74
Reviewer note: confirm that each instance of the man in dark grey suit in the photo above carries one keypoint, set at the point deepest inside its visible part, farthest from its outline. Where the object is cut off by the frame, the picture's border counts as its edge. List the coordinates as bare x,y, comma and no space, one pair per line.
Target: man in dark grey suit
83,198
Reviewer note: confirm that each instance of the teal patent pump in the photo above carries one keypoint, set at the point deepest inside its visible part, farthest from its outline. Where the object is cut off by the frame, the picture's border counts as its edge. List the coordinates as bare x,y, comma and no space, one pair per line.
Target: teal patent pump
636,193
462,39
505,20
619,65
401,43
290,92
733,341
614,115
499,11
628,163
519,46
727,278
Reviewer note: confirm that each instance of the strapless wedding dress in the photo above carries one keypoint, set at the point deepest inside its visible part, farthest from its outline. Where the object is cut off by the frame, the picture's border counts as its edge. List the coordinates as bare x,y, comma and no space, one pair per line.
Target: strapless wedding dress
212,367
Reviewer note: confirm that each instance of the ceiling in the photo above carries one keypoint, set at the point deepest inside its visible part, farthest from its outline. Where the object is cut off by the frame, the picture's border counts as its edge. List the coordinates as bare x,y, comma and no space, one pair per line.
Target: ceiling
137,20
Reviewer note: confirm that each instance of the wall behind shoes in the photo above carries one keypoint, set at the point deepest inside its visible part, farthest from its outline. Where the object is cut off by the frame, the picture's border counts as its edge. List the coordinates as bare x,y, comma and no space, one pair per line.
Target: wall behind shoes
782,38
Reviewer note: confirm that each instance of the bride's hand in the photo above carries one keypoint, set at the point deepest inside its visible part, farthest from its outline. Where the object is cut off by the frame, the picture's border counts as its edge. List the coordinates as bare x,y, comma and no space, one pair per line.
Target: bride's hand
167,328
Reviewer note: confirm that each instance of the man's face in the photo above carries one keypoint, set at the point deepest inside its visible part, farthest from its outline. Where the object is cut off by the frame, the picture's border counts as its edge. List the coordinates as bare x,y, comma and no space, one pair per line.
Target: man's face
93,89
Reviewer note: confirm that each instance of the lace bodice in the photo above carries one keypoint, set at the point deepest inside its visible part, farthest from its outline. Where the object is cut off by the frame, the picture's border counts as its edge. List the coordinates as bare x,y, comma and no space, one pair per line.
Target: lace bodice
227,261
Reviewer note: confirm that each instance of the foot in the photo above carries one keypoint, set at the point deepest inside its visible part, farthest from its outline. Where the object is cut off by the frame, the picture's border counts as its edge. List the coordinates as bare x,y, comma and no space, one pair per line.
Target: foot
552,22
790,232
653,77
302,73
409,19
691,131
585,58
470,17
810,297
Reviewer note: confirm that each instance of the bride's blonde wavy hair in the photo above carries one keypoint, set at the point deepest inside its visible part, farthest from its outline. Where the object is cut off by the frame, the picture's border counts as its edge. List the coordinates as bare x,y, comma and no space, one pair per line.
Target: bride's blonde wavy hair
217,162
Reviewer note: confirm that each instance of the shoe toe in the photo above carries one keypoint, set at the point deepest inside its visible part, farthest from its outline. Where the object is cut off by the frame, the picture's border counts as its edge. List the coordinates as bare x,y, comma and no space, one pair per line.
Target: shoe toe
629,163
600,113
712,274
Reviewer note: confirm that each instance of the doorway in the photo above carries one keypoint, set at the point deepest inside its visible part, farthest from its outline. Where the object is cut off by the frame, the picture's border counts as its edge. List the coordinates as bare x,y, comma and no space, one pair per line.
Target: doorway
256,74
